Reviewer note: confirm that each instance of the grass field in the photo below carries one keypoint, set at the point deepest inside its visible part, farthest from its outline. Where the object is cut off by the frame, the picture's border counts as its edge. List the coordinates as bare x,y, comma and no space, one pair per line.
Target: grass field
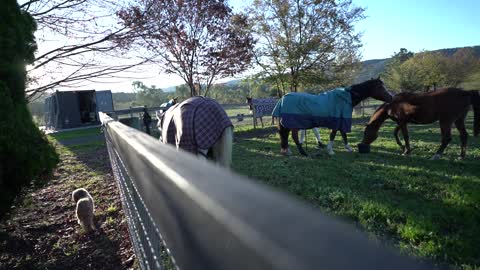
65,135
429,209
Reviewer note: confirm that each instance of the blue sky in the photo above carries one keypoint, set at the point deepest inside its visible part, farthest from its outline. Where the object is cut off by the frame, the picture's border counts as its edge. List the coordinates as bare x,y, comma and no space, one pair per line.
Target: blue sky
414,24
390,25
418,25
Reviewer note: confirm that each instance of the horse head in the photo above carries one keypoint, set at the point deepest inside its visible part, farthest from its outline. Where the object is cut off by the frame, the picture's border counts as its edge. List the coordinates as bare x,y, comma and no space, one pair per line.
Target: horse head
249,101
371,130
378,90
373,88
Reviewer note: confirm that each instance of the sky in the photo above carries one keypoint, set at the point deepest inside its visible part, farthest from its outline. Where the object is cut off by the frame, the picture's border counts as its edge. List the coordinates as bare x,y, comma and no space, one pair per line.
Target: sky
389,25
417,25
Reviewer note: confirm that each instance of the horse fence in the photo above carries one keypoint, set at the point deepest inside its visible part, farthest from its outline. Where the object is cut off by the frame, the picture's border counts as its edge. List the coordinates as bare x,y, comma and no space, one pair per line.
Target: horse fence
188,213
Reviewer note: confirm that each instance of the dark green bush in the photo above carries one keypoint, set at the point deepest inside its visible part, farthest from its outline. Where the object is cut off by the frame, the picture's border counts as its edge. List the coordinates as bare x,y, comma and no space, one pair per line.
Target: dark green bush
25,154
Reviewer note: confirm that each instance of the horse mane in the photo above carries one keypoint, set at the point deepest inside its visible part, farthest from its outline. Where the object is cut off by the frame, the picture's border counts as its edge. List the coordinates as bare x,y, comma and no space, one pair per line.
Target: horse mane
362,90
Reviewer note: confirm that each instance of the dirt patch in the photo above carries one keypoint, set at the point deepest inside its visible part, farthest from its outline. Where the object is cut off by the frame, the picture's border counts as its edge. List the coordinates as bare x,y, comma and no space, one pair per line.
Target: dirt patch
41,232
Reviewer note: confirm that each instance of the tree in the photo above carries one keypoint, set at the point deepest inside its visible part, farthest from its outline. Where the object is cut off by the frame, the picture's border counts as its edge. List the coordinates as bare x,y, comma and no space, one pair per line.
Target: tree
182,91
462,65
200,41
25,154
75,44
419,72
432,67
149,96
258,88
304,41
397,78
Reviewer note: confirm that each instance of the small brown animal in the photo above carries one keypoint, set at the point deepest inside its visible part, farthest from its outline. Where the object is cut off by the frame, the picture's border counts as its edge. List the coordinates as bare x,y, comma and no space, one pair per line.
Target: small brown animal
85,208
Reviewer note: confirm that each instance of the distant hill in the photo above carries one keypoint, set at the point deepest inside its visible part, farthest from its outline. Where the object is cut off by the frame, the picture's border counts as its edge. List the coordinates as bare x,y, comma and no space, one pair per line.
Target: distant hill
169,89
373,68
370,69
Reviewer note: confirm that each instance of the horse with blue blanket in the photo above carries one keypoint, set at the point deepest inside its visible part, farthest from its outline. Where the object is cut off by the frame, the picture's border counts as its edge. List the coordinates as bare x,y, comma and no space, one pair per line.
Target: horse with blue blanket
332,109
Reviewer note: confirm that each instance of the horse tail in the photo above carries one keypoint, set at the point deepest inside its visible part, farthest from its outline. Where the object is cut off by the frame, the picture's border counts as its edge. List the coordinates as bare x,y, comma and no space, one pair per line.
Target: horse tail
222,150
476,111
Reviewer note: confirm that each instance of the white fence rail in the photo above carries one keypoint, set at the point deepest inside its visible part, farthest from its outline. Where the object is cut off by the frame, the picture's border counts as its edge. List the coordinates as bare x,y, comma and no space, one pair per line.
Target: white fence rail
187,213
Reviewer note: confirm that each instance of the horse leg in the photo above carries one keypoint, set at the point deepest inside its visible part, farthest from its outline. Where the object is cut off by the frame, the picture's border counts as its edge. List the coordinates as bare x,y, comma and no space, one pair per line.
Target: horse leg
460,124
284,132
261,121
395,133
319,140
406,138
297,142
302,136
446,130
330,143
345,141
222,149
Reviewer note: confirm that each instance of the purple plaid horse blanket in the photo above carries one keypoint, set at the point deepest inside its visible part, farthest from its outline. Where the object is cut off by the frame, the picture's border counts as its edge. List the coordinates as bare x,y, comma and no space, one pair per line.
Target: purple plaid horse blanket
198,122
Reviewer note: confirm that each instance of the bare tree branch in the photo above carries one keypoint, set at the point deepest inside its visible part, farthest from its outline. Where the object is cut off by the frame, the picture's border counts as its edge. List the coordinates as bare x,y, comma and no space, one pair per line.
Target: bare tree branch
87,52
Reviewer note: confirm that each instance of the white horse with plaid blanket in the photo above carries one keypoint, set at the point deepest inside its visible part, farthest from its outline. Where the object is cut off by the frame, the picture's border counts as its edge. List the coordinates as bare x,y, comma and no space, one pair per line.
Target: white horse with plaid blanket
200,126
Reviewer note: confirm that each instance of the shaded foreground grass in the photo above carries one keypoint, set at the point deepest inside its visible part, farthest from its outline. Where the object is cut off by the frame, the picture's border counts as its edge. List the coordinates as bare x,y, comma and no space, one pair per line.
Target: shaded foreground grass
427,208
41,232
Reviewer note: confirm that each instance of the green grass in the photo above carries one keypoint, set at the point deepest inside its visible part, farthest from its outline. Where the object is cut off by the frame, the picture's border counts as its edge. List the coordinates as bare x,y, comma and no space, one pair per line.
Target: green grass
238,109
426,208
76,133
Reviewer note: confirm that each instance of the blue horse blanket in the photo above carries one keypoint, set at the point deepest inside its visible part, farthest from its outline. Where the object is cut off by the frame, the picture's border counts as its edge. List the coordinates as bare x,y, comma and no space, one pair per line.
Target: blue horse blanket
332,109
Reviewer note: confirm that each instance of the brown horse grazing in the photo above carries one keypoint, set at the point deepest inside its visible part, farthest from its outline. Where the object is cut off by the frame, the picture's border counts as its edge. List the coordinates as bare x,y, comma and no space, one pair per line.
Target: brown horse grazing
354,94
448,106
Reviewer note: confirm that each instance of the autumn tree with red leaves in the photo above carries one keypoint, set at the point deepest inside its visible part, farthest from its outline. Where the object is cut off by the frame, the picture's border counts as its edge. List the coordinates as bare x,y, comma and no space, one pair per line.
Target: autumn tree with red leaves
200,41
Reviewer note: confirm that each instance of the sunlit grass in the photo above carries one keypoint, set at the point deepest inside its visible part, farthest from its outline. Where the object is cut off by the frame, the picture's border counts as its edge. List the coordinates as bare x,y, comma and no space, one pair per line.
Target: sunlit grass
426,208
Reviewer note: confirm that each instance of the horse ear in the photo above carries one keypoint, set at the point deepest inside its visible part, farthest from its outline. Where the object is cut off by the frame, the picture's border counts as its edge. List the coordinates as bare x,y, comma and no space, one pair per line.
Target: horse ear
378,78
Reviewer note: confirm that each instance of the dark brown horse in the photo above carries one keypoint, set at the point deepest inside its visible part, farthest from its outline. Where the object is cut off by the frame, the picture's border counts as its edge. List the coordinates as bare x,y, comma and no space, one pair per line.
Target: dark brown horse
448,106
373,88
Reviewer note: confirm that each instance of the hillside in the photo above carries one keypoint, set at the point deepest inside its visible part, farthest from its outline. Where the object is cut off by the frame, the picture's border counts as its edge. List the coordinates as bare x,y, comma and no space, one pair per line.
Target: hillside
373,68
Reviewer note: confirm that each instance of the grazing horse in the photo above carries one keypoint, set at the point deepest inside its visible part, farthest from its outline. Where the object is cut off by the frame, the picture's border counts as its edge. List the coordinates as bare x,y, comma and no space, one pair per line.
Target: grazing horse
448,106
200,126
332,109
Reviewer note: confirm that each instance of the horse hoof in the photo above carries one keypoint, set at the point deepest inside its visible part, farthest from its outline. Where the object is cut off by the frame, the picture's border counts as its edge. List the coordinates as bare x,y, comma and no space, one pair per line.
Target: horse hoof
331,153
303,153
436,157
320,146
286,152
348,148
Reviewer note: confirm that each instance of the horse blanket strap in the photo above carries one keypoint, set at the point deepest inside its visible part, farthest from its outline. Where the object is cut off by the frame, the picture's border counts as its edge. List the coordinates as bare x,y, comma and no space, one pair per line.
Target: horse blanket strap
332,109
263,106
198,122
